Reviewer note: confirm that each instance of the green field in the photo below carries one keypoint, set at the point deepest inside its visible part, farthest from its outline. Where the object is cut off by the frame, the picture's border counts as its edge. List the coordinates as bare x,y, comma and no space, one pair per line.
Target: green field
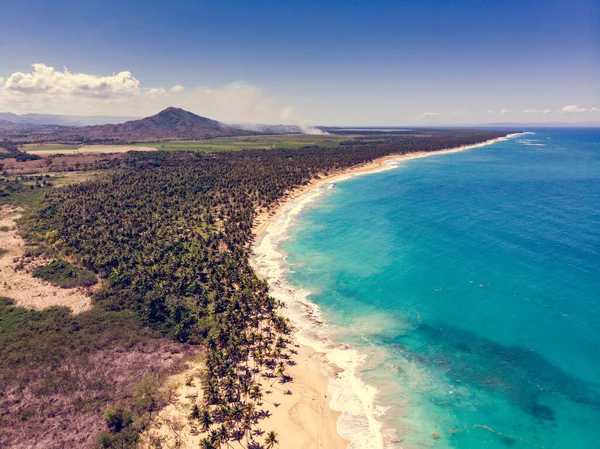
288,141
48,147
293,141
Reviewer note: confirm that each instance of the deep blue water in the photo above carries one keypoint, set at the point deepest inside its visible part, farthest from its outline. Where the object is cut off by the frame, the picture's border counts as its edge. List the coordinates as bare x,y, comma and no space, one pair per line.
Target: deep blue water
472,282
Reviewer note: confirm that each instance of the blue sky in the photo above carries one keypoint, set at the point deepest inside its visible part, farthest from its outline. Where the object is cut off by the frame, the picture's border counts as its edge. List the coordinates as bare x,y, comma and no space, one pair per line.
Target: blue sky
326,62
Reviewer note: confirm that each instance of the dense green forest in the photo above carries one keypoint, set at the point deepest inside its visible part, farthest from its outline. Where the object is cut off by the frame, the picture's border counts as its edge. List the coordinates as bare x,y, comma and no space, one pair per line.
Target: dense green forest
170,235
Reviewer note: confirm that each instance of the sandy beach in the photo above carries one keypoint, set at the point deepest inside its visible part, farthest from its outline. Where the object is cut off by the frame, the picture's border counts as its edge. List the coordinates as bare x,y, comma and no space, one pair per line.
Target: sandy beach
302,420
323,369
265,217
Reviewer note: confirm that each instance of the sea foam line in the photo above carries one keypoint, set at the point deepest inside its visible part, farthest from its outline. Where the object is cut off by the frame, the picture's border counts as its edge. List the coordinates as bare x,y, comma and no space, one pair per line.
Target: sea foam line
359,421
350,395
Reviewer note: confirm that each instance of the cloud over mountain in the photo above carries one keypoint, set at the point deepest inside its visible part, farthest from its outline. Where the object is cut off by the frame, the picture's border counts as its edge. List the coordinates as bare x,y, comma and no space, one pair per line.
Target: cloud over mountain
47,90
45,80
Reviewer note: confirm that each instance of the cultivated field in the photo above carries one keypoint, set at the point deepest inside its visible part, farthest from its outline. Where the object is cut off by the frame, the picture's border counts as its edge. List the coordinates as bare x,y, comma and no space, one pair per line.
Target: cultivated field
85,149
290,141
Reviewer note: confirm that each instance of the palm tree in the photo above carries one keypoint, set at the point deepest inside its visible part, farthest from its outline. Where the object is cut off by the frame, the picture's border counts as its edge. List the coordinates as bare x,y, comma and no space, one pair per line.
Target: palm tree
256,395
195,412
237,412
224,436
206,443
271,440
205,420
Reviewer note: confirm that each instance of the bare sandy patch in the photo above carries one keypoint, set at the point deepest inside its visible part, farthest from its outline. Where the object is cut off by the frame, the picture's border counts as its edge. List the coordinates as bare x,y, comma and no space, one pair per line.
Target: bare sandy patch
20,285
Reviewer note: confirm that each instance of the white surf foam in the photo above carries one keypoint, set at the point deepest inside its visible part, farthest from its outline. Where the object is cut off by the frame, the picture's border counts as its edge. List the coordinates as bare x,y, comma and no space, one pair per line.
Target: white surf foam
350,395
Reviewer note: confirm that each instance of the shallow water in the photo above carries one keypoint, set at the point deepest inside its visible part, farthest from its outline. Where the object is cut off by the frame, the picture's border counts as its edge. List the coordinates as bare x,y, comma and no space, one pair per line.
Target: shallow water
460,293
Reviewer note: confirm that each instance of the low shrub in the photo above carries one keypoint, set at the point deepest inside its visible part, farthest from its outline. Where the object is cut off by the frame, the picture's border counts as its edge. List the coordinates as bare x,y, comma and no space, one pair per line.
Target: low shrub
65,275
66,370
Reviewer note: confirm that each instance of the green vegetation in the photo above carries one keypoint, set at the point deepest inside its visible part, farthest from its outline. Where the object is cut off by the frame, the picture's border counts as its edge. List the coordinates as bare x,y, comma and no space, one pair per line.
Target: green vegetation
121,433
65,275
58,373
27,190
126,422
170,233
290,141
9,150
59,333
48,146
268,142
23,190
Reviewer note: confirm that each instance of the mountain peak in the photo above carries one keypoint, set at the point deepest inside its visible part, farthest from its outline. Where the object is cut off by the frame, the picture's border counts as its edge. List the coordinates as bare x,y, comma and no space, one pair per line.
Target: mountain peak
173,117
170,123
171,111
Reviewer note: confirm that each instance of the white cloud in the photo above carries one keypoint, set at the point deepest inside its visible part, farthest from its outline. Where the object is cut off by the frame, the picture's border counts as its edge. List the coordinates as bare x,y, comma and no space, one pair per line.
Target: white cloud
595,110
430,114
504,111
155,91
537,111
45,80
573,109
426,115
491,111
47,90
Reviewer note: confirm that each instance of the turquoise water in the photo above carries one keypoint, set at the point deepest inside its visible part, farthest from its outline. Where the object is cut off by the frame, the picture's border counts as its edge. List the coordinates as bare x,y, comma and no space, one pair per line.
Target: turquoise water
471,284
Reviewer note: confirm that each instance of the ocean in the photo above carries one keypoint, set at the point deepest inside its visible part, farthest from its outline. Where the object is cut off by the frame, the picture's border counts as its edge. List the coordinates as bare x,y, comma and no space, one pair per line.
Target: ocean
459,294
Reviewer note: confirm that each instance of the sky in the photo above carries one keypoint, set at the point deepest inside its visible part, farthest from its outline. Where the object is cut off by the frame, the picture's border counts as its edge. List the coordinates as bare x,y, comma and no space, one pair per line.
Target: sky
378,63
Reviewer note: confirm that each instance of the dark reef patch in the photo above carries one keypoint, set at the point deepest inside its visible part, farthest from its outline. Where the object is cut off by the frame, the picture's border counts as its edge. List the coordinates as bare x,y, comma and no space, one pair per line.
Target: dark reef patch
526,378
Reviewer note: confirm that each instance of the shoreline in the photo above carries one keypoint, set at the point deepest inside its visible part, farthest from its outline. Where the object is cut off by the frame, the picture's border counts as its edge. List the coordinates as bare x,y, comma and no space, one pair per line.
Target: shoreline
354,413
265,217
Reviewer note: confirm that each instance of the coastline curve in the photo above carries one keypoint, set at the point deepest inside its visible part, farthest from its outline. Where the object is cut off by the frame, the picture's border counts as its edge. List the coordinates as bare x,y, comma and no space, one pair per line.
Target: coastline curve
341,364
